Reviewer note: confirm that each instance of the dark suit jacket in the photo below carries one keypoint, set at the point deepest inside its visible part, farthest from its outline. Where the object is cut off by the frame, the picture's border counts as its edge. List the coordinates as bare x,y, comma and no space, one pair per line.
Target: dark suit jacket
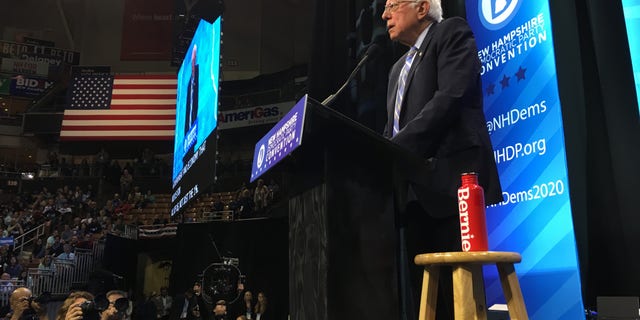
192,100
178,304
442,117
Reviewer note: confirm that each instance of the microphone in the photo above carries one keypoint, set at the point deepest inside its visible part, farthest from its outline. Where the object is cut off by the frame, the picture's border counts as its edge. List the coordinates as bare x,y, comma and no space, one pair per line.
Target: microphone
372,51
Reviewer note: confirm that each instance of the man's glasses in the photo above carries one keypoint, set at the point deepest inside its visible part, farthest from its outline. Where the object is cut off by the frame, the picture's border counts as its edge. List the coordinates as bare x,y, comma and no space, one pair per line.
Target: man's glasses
393,6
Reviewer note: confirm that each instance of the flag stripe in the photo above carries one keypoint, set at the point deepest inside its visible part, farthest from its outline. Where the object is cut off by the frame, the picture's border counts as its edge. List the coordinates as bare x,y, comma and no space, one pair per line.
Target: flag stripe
143,101
170,107
118,118
142,107
145,86
123,133
146,76
142,91
118,128
141,97
103,123
128,112
143,81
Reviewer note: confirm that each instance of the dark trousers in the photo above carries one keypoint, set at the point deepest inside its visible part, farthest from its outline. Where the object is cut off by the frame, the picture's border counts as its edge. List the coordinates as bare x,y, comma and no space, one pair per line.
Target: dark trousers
421,233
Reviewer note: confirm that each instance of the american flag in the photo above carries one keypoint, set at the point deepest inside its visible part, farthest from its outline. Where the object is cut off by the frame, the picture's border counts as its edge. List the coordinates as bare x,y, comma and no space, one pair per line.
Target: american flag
121,107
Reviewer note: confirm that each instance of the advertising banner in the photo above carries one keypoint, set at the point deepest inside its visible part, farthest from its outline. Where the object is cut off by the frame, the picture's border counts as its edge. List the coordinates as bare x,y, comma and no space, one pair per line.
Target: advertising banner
524,119
141,19
38,42
24,67
253,116
35,53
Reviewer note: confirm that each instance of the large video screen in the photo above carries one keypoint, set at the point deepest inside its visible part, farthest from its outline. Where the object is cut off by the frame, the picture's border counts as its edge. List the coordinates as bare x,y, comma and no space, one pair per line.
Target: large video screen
632,21
194,152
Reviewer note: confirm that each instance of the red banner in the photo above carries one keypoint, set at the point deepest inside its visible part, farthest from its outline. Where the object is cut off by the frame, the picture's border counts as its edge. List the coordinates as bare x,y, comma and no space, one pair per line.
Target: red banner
147,29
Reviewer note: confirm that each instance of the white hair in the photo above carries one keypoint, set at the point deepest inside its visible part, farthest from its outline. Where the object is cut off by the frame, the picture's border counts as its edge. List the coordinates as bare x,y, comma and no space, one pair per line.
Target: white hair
435,9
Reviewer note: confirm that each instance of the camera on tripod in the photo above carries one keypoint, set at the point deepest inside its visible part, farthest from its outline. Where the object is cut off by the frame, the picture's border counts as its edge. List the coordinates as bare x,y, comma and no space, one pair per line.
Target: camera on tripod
222,281
91,309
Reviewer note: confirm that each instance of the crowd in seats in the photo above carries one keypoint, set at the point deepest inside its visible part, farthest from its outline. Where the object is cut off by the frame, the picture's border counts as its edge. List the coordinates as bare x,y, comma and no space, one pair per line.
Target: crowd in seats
63,220
246,202
192,305
251,202
70,218
102,165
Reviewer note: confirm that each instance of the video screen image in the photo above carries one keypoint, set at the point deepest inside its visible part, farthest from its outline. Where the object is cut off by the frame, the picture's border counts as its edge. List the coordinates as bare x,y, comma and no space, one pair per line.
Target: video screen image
632,21
196,115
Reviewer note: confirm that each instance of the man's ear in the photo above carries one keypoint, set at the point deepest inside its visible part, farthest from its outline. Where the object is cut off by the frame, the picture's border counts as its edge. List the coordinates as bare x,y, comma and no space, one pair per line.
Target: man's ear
423,9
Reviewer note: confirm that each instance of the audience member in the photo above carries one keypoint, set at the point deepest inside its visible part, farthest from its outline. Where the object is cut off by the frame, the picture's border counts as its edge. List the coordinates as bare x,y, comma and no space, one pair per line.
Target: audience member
58,246
261,310
14,268
46,264
260,196
25,278
187,306
163,303
220,310
38,249
52,238
102,160
67,254
22,306
217,204
126,180
248,305
200,308
274,190
112,313
245,205
6,285
149,198
70,309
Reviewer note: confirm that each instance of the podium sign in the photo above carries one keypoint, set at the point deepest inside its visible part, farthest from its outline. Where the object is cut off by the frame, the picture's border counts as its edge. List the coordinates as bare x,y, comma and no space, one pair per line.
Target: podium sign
281,140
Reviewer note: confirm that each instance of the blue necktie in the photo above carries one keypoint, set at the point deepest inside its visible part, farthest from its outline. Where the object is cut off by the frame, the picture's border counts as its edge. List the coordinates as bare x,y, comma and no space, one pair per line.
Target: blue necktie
401,84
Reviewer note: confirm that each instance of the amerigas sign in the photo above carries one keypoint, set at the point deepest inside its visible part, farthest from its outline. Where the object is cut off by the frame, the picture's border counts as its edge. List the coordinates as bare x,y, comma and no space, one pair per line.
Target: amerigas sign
253,116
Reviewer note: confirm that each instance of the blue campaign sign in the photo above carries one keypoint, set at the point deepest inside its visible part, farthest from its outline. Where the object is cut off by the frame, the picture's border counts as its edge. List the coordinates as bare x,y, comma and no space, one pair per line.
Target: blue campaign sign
524,118
280,141
29,87
6,241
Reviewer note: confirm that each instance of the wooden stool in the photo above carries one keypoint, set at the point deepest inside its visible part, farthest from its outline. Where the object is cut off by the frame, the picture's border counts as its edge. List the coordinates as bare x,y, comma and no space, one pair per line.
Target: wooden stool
468,286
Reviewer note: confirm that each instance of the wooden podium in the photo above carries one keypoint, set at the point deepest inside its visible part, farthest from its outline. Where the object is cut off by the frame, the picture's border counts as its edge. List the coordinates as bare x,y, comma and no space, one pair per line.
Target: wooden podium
342,236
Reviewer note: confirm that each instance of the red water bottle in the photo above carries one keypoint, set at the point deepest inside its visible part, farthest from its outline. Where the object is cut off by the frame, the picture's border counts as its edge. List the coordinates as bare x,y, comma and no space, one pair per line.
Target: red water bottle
473,225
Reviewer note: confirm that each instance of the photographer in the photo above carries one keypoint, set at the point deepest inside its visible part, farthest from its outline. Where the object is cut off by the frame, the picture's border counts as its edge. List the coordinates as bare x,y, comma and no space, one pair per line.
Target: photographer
117,308
81,305
72,307
200,309
22,305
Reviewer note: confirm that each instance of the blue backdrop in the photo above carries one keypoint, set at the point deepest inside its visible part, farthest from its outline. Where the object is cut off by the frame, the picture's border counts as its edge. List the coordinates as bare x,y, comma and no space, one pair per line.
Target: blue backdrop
632,21
524,119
